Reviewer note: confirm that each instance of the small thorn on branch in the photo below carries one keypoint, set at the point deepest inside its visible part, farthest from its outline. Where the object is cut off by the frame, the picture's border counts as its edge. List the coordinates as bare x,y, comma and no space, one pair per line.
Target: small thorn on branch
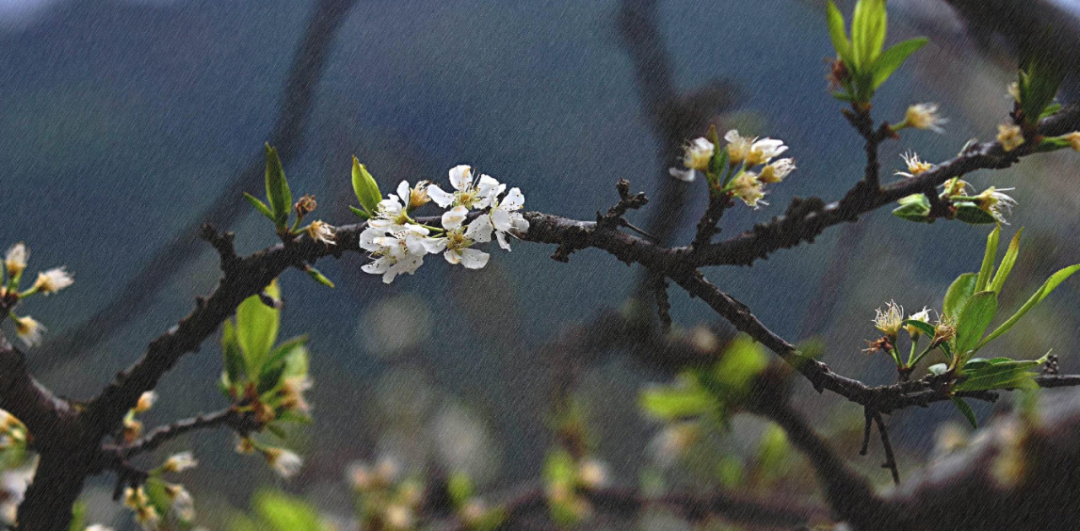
627,202
223,244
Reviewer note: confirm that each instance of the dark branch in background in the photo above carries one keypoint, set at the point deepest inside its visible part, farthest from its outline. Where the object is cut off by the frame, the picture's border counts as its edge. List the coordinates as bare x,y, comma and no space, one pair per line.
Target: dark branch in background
1031,26
1020,475
287,136
851,496
674,118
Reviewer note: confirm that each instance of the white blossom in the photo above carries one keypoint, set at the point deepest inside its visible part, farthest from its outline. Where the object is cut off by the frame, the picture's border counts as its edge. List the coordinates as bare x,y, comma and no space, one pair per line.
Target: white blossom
180,462
401,251
15,259
53,280
459,239
285,463
925,116
777,171
29,330
762,151
994,202
505,216
468,192
889,320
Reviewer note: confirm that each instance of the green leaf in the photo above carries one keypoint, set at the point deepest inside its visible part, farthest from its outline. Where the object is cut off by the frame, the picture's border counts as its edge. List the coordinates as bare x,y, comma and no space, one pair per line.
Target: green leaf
234,358
966,410
1040,79
155,491
915,207
938,369
988,259
270,378
285,513
893,58
926,328
974,319
257,328
460,488
260,206
868,27
1006,374
742,361
365,187
1043,292
1007,263
277,187
282,352
78,516
971,214
358,212
317,276
961,289
837,32
677,402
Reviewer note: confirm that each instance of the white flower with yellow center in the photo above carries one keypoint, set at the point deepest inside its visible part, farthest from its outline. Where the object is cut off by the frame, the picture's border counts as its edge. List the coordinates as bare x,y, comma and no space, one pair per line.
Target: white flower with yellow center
180,462
748,188
923,316
390,215
762,151
396,253
285,463
994,202
890,320
1010,136
505,216
292,391
321,232
924,116
28,330
468,192
777,171
146,401
954,187
738,146
53,280
180,502
459,239
696,156
915,166
15,259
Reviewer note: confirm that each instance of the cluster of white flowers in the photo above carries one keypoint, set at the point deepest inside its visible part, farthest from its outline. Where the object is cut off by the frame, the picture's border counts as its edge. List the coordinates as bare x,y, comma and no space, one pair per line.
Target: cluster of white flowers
397,244
743,154
48,282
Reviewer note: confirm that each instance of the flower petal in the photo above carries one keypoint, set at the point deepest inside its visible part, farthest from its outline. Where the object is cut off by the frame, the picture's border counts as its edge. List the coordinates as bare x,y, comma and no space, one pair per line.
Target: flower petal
460,176
474,258
440,197
479,230
453,218
682,175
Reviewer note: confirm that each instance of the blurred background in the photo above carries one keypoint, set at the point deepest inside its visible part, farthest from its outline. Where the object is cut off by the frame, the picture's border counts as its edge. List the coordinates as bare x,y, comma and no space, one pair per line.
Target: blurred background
123,123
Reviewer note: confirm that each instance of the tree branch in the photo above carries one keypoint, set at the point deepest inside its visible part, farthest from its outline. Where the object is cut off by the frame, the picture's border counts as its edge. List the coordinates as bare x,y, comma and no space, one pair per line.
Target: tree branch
241,422
805,220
